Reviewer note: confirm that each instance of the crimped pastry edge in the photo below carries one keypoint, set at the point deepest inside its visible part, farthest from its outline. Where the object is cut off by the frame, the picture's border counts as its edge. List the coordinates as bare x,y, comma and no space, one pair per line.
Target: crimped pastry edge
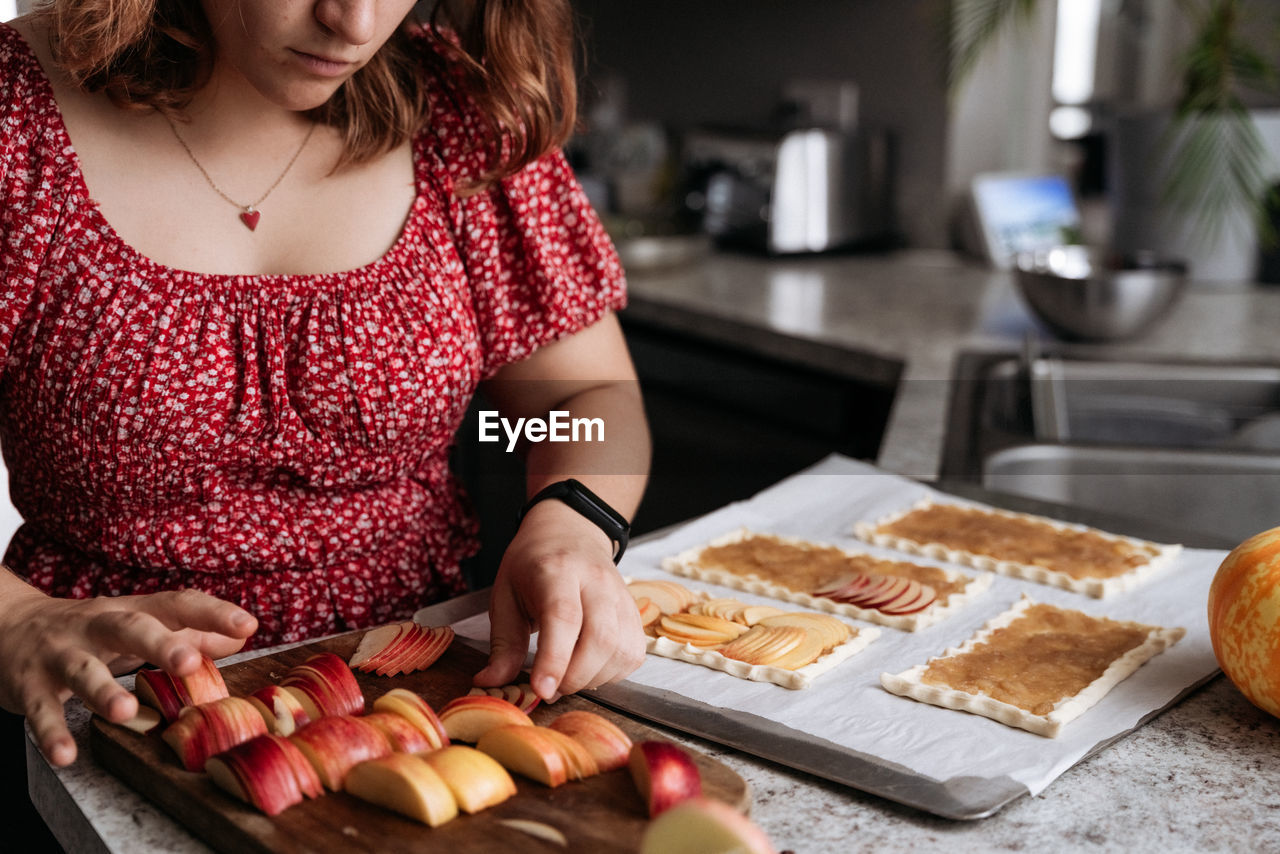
1162,554
909,684
686,564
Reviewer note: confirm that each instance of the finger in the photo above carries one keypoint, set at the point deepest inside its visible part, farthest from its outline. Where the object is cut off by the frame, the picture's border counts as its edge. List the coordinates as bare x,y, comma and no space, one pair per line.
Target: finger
88,677
560,620
627,647
179,609
591,654
139,634
508,639
211,644
48,725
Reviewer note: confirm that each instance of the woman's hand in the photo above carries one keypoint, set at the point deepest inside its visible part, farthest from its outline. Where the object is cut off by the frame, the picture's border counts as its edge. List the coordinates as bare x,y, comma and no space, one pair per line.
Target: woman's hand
557,578
52,649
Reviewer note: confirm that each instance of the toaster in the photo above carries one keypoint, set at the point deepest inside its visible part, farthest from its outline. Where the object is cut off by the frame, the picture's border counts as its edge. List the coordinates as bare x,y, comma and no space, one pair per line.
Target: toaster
790,191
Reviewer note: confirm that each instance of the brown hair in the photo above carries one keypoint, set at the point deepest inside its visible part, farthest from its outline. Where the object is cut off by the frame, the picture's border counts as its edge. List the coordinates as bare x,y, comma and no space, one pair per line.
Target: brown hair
514,59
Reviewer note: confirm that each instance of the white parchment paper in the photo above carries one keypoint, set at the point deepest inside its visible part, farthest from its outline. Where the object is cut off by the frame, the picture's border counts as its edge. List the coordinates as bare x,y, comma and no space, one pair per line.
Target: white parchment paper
847,706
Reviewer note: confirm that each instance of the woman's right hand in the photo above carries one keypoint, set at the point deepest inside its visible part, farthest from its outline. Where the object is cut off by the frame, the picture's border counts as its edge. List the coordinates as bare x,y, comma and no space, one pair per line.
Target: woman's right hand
52,649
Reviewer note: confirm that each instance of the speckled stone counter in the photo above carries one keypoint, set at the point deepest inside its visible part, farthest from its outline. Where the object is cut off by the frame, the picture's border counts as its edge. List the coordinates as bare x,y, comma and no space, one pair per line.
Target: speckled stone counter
1203,776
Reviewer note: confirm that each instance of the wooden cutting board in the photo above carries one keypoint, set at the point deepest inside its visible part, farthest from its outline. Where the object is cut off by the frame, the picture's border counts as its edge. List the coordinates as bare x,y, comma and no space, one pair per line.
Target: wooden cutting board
601,814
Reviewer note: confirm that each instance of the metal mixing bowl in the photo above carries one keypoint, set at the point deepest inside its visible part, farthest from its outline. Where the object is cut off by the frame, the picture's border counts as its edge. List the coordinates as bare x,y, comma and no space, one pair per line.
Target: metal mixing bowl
1086,294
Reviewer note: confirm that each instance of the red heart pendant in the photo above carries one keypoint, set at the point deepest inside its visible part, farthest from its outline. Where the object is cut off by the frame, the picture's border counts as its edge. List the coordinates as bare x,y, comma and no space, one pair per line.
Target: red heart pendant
250,218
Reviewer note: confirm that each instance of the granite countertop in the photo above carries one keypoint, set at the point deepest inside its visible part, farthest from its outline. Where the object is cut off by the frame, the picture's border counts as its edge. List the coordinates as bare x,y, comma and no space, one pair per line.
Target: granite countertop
1200,777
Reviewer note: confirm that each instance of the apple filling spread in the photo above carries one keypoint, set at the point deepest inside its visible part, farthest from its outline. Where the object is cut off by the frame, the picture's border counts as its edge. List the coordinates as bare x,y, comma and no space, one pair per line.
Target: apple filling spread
813,566
1044,656
1079,554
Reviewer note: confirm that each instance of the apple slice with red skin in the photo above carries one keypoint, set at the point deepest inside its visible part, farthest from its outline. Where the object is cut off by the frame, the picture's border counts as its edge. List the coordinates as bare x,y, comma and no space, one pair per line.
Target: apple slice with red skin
375,644
262,772
403,736
280,708
476,779
704,826
845,584
417,711
144,720
416,639
580,761
204,730
892,588
664,774
912,601
441,639
469,717
404,784
162,692
530,751
608,745
334,745
328,682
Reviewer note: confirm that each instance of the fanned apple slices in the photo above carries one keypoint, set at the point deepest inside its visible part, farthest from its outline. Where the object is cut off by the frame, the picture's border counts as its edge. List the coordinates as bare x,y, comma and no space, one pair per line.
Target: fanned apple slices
521,696
400,648
895,593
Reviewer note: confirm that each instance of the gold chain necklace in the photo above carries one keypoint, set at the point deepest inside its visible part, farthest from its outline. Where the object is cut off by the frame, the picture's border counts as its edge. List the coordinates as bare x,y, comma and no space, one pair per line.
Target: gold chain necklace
249,214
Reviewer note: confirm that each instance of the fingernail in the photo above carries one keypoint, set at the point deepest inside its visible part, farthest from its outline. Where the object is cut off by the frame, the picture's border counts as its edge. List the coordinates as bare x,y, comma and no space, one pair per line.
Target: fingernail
546,688
242,621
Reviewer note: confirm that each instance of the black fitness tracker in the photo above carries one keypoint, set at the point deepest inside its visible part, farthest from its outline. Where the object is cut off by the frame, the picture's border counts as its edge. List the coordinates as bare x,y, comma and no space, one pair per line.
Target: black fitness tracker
590,505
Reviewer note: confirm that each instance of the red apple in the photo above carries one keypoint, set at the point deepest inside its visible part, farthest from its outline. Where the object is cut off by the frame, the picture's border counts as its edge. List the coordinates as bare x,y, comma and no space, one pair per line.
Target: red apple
704,826
417,711
409,648
144,721
375,644
329,683
205,685
467,718
664,774
280,708
608,745
335,744
162,692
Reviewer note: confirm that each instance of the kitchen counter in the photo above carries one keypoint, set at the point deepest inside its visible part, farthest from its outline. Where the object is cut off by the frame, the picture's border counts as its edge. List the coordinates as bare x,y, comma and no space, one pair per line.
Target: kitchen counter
1203,776
867,316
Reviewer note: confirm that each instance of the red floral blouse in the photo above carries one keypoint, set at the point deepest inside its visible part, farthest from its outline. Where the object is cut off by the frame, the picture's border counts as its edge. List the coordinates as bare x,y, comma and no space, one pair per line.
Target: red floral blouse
279,441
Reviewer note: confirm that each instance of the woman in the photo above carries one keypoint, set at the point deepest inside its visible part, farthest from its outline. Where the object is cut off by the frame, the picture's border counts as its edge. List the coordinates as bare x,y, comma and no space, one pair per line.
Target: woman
257,255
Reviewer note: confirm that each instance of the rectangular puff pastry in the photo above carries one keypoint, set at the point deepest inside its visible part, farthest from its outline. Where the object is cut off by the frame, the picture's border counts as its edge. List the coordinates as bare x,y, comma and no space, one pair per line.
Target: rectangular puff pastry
1035,666
817,562
1073,557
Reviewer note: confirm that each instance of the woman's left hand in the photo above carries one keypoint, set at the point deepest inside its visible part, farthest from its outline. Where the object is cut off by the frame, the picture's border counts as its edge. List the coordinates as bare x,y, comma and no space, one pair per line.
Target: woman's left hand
558,579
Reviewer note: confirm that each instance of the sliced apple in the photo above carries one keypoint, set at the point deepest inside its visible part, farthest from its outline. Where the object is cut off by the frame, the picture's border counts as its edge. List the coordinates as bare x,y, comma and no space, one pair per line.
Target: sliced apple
280,708
907,603
764,644
649,611
416,639
873,596
468,718
806,652
476,779
374,643
845,584
724,608
162,692
404,784
704,826
699,629
144,720
400,732
834,632
752,614
607,744
530,751
263,771
582,764
328,684
417,711
204,730
664,774
336,744
671,597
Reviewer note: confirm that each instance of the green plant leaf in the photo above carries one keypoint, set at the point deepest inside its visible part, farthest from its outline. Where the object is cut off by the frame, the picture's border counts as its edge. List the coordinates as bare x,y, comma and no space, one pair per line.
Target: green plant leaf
973,25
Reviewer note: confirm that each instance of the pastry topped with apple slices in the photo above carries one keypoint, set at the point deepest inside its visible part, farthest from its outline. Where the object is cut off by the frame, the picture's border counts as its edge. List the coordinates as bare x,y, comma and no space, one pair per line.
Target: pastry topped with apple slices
1073,557
757,642
1035,666
825,577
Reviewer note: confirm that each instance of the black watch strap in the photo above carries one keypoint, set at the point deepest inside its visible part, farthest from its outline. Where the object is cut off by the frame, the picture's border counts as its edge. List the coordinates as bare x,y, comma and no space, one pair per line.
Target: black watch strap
590,505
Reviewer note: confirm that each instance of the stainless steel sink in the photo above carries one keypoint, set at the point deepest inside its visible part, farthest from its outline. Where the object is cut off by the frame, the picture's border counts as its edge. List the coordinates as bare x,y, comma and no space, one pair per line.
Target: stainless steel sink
1192,444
